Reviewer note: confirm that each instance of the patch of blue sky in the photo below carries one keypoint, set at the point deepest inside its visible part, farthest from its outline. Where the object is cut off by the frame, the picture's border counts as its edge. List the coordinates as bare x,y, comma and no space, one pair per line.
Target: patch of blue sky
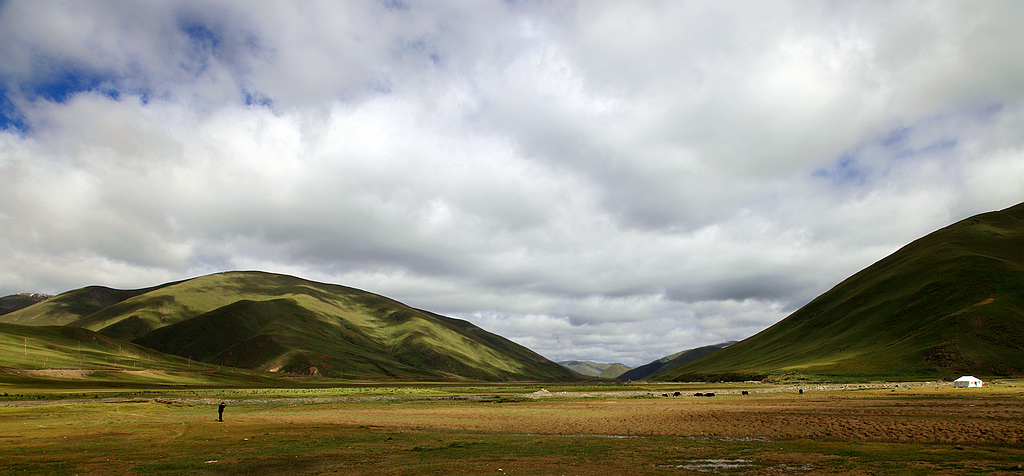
204,44
11,119
847,170
896,137
381,85
900,143
257,99
858,167
209,43
420,48
940,145
929,138
396,5
59,85
65,83
200,34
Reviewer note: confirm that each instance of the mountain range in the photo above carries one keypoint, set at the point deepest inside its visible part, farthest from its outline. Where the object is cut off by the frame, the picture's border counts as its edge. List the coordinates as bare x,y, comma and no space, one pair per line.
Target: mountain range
595,369
948,303
277,323
670,362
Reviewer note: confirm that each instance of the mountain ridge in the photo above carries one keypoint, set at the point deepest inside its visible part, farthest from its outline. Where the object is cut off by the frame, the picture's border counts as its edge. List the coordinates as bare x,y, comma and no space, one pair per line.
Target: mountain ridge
266,321
595,369
17,302
948,303
671,361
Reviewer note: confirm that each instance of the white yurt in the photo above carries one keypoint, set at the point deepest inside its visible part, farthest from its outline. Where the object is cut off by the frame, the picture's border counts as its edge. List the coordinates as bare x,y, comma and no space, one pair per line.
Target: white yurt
967,381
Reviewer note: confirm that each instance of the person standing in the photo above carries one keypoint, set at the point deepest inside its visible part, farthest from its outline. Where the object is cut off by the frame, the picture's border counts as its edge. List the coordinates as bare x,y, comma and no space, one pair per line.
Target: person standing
220,411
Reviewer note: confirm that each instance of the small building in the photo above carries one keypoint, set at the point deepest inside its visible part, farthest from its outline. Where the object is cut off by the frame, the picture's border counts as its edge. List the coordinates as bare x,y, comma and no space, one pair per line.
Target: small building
967,381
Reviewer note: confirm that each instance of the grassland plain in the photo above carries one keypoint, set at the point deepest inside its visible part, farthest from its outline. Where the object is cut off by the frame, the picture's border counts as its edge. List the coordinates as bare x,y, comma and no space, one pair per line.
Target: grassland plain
508,429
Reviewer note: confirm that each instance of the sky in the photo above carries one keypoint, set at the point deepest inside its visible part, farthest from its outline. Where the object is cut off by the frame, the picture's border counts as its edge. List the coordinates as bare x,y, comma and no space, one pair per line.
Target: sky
612,181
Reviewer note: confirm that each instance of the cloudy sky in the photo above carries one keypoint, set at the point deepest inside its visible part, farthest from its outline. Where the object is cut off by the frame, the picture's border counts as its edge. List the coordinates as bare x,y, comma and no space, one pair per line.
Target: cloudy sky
599,180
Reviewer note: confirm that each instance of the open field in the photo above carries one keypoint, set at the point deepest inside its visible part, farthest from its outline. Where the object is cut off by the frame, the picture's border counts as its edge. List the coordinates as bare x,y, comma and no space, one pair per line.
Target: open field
491,429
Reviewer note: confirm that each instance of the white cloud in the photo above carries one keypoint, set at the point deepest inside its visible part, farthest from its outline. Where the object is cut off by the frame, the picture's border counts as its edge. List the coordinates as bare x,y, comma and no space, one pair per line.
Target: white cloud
601,180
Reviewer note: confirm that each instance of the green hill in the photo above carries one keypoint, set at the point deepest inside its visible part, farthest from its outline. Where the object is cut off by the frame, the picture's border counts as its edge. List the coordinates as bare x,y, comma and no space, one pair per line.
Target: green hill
594,369
949,303
663,364
52,356
17,302
272,322
69,307
613,371
61,347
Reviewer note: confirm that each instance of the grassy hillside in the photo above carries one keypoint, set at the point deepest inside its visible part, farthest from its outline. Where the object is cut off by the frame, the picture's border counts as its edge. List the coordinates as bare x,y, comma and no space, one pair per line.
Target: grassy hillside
613,371
61,348
949,303
266,321
17,302
69,307
41,347
663,364
594,369
60,357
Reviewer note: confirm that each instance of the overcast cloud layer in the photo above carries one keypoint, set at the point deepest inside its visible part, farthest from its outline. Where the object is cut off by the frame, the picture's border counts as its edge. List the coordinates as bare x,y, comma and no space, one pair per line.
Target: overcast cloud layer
609,181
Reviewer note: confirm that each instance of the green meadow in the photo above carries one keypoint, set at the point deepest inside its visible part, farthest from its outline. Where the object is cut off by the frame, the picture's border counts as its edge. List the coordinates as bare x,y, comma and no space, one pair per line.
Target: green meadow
303,431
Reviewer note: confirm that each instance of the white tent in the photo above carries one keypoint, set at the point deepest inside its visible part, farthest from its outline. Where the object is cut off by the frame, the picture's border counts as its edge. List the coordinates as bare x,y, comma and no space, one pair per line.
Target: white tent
967,381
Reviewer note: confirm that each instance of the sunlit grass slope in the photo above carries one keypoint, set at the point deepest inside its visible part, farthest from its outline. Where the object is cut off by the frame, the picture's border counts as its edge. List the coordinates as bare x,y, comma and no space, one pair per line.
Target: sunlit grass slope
53,356
69,307
949,303
273,322
59,347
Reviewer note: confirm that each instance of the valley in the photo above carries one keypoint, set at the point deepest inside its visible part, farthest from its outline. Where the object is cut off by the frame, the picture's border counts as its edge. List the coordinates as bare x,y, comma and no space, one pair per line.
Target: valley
429,428
324,379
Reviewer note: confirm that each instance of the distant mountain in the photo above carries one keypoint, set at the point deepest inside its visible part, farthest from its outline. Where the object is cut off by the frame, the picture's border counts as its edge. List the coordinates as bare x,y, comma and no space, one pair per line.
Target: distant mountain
645,371
614,370
584,367
273,322
594,369
66,308
949,303
17,302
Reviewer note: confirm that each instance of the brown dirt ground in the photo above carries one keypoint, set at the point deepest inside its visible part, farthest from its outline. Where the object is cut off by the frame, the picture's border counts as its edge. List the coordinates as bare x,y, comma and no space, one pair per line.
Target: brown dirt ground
828,416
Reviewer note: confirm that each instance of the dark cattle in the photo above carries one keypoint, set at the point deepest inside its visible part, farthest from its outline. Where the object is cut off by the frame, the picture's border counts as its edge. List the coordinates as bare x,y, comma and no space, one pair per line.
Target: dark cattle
709,394
676,394
698,394
746,392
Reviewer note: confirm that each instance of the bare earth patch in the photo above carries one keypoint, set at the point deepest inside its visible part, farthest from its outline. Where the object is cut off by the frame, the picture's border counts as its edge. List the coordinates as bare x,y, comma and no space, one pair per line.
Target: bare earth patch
58,373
